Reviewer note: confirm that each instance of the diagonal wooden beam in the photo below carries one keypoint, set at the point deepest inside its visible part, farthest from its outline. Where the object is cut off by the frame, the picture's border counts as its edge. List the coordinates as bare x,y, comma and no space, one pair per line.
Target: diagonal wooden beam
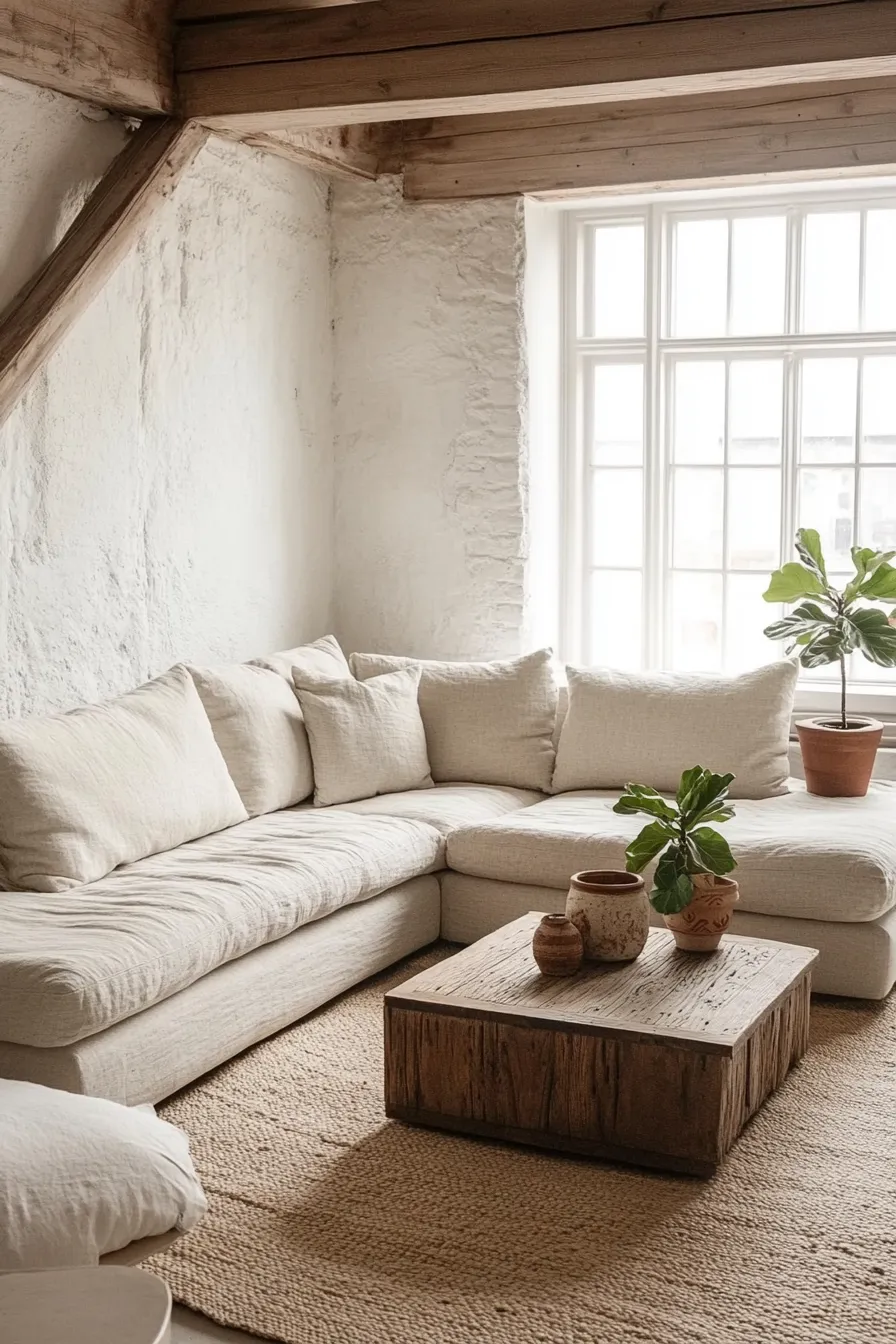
142,176
336,151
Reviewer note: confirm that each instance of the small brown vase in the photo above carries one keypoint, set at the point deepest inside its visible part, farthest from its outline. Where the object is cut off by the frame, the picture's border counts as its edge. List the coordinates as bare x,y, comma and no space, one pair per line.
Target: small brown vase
699,926
611,911
557,946
838,762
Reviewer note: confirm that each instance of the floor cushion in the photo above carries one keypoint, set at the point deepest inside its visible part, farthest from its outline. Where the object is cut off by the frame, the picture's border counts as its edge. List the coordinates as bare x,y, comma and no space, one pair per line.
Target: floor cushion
798,855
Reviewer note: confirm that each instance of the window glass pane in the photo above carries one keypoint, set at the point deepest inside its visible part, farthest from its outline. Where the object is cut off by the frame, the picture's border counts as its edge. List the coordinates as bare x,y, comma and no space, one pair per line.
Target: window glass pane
826,501
746,617
700,278
698,392
756,405
880,270
831,271
877,508
754,518
619,280
696,644
617,517
618,416
758,268
698,509
828,399
879,409
615,619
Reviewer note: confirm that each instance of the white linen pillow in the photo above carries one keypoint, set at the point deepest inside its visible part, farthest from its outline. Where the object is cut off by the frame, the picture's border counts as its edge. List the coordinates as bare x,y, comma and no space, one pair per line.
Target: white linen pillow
486,723
260,732
323,660
366,737
82,1177
626,727
108,784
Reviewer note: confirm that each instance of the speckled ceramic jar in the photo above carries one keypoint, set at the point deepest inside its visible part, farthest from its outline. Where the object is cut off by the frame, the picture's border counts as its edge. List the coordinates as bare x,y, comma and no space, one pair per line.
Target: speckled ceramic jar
611,912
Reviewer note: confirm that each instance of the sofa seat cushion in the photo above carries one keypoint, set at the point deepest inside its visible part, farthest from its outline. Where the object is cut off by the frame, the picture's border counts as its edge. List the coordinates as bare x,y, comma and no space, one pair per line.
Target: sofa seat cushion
70,968
447,806
798,855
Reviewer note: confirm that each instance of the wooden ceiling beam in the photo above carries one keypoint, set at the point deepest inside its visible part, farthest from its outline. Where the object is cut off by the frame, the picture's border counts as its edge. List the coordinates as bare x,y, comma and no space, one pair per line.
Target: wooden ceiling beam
191,10
757,133
142,176
336,151
824,42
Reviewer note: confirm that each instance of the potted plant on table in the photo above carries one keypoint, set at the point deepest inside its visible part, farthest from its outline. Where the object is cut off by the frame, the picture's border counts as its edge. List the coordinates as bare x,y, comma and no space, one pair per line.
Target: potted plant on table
690,887
826,627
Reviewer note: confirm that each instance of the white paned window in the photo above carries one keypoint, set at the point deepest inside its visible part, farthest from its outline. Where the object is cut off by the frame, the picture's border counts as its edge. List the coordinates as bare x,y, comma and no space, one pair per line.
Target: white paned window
730,375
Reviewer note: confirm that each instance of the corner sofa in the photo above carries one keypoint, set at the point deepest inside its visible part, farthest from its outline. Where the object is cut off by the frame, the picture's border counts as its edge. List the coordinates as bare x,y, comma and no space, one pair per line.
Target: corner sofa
126,977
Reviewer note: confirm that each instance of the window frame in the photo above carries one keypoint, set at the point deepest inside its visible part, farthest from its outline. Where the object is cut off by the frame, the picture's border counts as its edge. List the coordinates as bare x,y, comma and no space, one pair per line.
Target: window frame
658,348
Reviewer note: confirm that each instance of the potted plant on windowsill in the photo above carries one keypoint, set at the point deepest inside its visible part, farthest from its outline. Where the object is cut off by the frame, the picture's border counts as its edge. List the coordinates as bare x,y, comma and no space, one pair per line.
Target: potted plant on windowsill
828,625
690,887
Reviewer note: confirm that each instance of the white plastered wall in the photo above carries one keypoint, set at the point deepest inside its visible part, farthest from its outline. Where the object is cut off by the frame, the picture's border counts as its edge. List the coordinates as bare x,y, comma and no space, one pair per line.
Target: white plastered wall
166,481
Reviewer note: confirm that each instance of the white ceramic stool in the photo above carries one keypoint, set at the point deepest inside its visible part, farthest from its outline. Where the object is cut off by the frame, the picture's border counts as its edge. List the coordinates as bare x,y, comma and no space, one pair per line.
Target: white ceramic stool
103,1305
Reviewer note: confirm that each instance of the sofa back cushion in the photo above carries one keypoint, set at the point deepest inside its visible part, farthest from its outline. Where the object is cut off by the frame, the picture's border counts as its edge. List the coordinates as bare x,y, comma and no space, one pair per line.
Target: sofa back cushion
259,729
323,659
366,737
624,727
486,723
86,791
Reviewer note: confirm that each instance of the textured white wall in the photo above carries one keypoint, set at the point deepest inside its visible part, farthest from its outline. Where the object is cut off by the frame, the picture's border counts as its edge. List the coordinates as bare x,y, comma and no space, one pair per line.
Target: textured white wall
430,533
166,482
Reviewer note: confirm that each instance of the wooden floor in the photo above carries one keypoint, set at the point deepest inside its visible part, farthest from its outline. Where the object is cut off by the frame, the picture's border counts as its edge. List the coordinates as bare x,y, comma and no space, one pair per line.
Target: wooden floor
189,1328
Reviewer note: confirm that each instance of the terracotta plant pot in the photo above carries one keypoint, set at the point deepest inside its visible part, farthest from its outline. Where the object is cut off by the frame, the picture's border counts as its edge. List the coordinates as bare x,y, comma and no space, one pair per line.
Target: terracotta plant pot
838,762
699,926
611,911
557,946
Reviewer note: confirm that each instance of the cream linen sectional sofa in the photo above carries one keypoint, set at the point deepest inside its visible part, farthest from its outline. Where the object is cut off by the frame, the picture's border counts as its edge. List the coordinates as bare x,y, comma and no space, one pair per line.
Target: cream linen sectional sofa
157,921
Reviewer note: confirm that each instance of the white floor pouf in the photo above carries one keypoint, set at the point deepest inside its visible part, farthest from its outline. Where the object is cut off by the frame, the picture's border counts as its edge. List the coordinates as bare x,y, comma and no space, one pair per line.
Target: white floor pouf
85,1306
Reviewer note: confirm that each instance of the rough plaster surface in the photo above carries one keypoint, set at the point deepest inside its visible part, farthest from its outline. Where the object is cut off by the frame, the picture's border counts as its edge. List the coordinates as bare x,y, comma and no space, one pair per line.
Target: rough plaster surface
166,482
429,421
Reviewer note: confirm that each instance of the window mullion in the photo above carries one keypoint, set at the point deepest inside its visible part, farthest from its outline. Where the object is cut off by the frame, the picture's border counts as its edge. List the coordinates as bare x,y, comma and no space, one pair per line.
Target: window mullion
790,439
654,473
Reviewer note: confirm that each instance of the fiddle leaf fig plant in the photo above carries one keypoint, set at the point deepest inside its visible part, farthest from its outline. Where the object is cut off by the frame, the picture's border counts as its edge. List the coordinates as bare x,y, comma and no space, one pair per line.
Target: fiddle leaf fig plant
680,835
830,623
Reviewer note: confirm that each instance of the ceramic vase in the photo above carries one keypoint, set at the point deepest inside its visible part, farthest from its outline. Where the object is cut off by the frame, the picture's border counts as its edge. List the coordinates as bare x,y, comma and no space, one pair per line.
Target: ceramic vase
557,946
699,926
611,911
838,762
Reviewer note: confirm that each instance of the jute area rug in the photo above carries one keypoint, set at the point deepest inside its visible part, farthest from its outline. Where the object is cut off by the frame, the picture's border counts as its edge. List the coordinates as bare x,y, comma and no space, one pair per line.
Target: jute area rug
330,1225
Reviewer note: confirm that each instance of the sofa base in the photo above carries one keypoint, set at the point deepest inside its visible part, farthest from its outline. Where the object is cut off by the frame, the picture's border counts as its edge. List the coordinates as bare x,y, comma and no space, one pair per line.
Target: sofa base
149,1056
855,961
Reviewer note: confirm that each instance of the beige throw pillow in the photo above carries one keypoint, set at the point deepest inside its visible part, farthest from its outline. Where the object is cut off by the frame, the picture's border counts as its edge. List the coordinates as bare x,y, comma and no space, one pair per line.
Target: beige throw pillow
323,660
486,723
86,791
624,727
366,738
259,729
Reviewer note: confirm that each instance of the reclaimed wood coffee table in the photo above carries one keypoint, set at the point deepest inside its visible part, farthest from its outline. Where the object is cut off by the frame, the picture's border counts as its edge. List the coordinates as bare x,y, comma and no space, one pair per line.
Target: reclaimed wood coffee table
660,1061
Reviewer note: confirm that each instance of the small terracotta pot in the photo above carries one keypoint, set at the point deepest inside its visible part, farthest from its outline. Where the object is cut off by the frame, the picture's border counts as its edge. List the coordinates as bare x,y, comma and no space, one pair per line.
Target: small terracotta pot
838,762
557,946
699,926
611,911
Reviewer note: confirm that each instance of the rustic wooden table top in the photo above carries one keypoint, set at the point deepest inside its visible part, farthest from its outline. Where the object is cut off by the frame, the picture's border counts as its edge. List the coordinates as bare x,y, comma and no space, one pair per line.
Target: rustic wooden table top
710,1001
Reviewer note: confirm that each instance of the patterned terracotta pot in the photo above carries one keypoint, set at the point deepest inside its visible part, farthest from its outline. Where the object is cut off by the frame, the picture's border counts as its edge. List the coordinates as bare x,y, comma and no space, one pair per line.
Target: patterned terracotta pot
611,911
557,946
699,926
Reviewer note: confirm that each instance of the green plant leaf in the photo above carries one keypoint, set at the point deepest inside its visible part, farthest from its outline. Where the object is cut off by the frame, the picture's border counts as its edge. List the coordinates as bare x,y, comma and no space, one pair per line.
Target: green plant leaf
650,803
792,582
808,548
689,780
645,847
672,899
712,851
708,792
880,585
721,814
874,636
827,647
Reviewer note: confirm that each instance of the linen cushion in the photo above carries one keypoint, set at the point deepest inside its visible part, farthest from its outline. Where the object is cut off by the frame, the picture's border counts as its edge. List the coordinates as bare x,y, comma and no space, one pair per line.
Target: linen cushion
323,659
624,727
259,729
70,968
366,736
82,1177
447,806
486,723
97,787
797,855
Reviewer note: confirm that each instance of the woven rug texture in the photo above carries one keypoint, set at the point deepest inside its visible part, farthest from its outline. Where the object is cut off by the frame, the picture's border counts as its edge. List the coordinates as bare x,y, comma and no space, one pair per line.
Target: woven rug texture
331,1225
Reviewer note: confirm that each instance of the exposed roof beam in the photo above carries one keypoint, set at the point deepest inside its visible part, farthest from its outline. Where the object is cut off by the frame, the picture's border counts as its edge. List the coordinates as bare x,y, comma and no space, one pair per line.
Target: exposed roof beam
853,39
215,9
337,151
